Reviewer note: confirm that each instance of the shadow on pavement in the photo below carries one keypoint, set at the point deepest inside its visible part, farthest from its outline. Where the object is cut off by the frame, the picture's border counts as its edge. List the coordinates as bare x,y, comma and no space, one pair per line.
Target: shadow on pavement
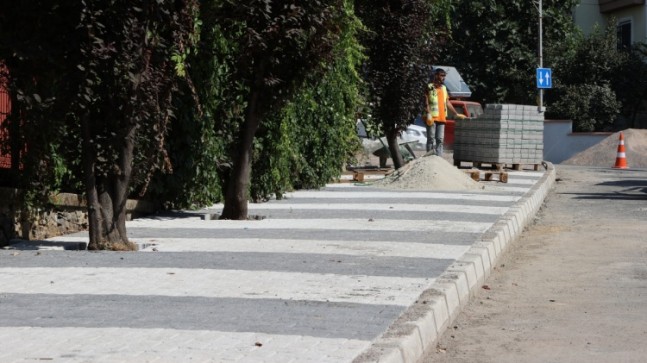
24,245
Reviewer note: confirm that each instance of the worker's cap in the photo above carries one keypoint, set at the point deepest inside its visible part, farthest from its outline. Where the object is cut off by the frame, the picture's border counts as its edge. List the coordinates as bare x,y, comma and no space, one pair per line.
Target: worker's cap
439,71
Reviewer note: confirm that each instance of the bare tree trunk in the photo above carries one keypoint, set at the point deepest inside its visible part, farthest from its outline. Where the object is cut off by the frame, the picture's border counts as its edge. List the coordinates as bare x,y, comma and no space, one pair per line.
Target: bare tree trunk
394,148
106,197
236,194
237,187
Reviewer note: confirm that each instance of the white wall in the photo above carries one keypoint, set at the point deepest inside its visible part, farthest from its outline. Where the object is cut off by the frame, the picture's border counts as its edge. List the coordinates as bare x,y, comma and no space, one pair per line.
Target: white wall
587,15
560,143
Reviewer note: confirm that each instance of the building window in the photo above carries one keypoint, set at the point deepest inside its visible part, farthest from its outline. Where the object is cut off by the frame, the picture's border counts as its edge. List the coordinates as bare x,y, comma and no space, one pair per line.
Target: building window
624,34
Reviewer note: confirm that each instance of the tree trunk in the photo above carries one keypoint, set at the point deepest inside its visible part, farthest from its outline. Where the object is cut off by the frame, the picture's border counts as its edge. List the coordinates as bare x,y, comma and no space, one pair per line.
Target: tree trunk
394,148
107,196
237,189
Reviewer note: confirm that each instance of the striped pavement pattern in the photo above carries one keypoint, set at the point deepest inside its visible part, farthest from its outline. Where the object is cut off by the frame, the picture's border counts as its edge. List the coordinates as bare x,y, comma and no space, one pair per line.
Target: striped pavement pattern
317,278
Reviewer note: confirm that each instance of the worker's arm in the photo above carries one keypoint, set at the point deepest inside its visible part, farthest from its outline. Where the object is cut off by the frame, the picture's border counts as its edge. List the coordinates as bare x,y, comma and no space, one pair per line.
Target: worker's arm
451,108
427,116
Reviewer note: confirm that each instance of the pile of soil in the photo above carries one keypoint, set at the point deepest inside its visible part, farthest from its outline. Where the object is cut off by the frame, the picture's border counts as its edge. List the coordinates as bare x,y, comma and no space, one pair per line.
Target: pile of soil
428,173
605,152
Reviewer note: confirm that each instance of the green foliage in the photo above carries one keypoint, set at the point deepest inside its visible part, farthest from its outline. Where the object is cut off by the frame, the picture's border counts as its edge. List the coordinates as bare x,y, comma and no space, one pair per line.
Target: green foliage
591,107
441,13
301,144
322,126
201,137
37,58
494,45
271,166
282,42
398,51
592,59
194,152
601,81
308,141
399,47
630,83
93,84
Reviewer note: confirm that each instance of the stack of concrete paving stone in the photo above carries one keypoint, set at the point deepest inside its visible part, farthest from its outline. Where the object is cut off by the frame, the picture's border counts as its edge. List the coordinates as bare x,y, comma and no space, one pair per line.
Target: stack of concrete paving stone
504,134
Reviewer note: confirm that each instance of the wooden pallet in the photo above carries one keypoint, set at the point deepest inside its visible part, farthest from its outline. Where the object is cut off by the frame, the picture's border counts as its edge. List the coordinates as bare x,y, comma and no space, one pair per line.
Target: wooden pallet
362,175
501,176
480,164
489,175
474,174
498,166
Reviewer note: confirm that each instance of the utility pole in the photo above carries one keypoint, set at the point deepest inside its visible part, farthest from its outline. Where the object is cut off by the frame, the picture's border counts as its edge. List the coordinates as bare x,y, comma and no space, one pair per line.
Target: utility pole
541,55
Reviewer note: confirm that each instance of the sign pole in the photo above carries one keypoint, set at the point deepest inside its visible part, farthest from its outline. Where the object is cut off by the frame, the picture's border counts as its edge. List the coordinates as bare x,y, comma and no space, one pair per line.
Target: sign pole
541,57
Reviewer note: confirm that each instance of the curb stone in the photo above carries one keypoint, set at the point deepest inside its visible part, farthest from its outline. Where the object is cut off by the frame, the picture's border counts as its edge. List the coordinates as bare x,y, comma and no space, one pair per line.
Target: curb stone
420,326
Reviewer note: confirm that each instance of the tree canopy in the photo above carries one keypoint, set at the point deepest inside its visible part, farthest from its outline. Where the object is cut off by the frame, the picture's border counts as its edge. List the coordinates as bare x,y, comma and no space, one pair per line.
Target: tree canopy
398,66
192,103
302,142
276,45
93,85
271,86
598,82
494,45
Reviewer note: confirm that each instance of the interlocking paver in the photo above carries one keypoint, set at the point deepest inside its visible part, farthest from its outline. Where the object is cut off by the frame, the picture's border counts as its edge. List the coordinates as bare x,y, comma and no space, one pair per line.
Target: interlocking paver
318,280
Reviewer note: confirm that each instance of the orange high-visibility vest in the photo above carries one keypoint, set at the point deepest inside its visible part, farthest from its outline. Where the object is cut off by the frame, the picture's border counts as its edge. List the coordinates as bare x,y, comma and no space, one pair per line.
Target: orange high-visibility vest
438,109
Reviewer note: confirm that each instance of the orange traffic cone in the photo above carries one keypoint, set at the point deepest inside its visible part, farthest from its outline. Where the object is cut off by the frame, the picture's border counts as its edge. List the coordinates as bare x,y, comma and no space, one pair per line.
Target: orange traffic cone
621,159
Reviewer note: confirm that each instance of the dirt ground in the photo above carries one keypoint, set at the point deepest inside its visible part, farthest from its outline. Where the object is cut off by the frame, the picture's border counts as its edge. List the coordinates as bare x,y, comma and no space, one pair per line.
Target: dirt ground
604,153
573,288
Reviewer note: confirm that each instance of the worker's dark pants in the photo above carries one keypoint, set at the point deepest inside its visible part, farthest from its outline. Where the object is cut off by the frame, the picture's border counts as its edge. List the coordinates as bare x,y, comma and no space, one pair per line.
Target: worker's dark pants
435,137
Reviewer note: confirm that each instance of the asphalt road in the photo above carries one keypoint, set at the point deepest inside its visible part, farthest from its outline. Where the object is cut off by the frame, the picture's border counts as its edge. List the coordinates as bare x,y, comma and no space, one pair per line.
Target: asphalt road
573,288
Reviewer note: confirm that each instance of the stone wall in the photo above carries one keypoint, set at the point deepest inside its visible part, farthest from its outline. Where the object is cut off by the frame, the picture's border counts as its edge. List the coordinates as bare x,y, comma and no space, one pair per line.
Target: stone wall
67,214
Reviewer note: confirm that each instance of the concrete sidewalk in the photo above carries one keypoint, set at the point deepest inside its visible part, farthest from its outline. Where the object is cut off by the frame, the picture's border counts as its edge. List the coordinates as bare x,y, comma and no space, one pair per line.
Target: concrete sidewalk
347,273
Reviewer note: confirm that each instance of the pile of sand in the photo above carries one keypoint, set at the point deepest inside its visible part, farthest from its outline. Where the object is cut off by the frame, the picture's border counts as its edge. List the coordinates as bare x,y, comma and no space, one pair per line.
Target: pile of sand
604,153
428,173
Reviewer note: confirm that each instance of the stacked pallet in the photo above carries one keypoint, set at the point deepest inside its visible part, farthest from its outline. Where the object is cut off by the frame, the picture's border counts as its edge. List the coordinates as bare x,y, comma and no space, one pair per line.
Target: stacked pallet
504,134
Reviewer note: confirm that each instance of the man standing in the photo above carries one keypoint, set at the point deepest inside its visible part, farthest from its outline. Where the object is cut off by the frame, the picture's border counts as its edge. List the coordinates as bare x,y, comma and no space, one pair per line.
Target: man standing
437,103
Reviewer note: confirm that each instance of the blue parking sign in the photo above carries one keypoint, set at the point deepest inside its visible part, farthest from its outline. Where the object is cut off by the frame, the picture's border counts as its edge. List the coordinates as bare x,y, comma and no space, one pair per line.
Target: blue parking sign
544,78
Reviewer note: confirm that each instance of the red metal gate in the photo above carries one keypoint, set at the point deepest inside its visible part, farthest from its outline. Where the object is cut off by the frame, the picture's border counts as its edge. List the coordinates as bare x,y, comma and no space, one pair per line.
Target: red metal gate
5,108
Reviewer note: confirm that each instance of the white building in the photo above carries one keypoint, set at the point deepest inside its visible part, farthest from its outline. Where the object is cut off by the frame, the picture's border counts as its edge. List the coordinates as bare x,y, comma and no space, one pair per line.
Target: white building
630,18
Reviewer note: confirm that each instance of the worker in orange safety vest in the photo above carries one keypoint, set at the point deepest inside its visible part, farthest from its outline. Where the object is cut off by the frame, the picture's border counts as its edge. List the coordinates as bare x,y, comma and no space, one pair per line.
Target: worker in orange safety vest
437,104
